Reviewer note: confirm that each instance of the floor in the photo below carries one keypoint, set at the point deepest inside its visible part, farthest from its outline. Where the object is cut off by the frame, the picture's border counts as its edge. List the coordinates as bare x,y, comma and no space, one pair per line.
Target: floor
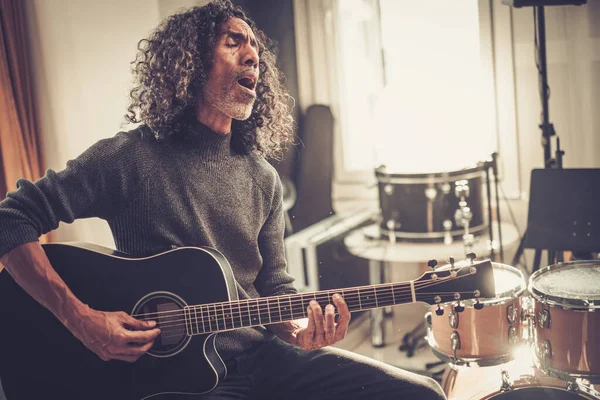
404,319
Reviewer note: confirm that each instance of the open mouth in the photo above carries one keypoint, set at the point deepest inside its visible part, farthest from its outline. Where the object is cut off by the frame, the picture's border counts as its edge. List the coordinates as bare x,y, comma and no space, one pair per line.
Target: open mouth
248,83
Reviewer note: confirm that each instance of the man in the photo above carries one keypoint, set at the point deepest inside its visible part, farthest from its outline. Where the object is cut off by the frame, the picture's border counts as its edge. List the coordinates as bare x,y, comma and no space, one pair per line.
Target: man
194,174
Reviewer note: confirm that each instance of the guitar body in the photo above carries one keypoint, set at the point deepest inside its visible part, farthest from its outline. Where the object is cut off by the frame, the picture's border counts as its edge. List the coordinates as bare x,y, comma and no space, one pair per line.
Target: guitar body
40,358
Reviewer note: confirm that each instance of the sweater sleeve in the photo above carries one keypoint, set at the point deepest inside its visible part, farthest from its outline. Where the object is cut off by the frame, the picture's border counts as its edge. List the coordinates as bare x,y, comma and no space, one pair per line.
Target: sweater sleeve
273,279
95,184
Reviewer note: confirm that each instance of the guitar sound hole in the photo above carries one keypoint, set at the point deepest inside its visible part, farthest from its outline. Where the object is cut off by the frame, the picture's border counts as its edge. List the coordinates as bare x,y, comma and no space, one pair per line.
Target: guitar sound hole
167,310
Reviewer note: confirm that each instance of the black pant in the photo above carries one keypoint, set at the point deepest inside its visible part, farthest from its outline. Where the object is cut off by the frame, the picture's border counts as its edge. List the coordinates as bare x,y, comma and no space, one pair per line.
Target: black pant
277,370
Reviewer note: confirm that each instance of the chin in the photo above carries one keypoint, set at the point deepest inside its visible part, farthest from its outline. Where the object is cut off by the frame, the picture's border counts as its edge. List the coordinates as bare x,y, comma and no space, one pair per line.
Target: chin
242,112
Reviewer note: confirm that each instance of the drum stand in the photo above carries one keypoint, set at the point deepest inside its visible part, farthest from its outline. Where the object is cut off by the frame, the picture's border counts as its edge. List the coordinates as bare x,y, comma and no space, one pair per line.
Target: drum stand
492,165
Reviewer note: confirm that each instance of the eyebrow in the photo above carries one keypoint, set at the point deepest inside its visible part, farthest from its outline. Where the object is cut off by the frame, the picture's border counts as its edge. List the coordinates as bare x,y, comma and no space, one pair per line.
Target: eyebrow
240,36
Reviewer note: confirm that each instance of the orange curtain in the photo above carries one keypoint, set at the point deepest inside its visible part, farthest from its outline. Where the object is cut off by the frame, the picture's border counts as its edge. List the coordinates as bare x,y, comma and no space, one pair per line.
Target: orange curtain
20,155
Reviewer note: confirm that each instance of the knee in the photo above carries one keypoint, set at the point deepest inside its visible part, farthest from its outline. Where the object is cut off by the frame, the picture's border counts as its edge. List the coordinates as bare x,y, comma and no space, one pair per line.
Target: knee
429,389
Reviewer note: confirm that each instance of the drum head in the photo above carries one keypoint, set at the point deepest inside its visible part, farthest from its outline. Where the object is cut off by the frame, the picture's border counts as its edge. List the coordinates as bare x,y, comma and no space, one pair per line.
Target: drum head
569,284
537,393
509,282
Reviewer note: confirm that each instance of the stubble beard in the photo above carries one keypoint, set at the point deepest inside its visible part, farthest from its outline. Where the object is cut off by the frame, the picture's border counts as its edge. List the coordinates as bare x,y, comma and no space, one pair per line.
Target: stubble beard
227,103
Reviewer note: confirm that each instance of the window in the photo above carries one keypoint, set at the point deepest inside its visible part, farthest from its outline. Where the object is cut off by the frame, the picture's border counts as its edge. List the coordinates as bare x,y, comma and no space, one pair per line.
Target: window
432,110
410,84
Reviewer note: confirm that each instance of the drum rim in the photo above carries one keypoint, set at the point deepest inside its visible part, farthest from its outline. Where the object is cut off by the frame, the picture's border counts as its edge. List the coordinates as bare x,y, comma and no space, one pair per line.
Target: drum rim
559,301
480,167
563,375
431,235
581,391
475,362
537,380
436,177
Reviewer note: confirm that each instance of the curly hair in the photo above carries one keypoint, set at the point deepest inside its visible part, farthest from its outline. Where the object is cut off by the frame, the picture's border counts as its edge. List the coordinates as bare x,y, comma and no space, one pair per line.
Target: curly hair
171,69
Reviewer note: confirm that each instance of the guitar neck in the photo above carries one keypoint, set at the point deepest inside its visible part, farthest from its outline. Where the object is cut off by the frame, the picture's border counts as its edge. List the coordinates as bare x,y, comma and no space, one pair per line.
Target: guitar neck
217,317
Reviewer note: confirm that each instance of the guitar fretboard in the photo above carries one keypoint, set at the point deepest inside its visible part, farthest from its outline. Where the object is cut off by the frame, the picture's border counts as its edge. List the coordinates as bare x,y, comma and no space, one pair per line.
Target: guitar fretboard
216,317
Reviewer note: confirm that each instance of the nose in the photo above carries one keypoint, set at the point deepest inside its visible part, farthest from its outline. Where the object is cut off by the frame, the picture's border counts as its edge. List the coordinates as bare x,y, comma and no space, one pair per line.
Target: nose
250,57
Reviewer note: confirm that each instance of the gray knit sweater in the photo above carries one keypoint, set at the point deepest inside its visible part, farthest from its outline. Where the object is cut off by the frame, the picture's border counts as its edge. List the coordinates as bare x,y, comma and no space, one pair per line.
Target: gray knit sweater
190,191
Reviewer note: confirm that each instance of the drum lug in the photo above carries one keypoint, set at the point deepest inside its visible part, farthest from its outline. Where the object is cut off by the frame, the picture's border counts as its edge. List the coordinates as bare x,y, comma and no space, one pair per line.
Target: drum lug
454,342
453,319
430,193
511,314
545,353
544,319
512,335
447,232
446,188
507,383
461,188
388,189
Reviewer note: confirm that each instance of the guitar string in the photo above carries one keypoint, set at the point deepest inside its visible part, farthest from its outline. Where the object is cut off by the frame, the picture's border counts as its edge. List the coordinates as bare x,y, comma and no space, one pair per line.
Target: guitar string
260,318
366,287
171,333
250,314
257,313
384,290
296,296
211,314
417,284
218,309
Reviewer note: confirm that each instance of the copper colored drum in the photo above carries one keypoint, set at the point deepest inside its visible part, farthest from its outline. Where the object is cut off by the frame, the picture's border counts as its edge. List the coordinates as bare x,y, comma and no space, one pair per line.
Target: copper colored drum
481,337
567,319
511,382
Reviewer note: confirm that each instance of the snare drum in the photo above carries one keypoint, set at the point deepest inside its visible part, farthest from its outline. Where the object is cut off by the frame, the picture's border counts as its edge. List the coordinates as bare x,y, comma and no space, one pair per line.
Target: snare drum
425,207
481,337
567,319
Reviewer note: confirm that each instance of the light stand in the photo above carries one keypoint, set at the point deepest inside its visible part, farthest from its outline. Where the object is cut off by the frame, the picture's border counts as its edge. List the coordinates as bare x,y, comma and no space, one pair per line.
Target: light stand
546,127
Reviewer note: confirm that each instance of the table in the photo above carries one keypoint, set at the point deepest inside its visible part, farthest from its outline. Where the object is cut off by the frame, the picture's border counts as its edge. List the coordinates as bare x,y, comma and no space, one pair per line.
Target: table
365,243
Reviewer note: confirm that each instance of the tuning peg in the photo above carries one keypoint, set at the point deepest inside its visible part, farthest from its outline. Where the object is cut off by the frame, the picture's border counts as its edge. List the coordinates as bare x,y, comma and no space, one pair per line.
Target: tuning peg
439,311
451,261
458,308
432,264
471,257
478,305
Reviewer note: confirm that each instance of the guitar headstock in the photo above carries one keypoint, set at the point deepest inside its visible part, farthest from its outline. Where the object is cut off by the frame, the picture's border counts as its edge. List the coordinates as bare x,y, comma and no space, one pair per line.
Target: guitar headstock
454,283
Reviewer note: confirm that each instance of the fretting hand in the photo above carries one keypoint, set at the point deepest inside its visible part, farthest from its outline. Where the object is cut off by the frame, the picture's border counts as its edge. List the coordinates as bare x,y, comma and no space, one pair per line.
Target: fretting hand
322,329
114,335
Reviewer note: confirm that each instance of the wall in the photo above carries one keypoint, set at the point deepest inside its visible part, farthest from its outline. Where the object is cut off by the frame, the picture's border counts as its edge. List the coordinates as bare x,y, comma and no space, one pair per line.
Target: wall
81,53
276,19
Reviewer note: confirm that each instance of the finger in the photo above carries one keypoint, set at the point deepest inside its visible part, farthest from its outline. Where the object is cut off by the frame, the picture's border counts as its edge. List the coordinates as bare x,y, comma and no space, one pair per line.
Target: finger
310,328
329,324
137,324
142,337
319,328
344,320
137,350
342,307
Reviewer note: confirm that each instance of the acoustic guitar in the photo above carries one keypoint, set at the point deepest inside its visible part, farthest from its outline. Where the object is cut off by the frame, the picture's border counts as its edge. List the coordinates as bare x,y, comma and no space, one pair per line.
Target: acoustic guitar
191,293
